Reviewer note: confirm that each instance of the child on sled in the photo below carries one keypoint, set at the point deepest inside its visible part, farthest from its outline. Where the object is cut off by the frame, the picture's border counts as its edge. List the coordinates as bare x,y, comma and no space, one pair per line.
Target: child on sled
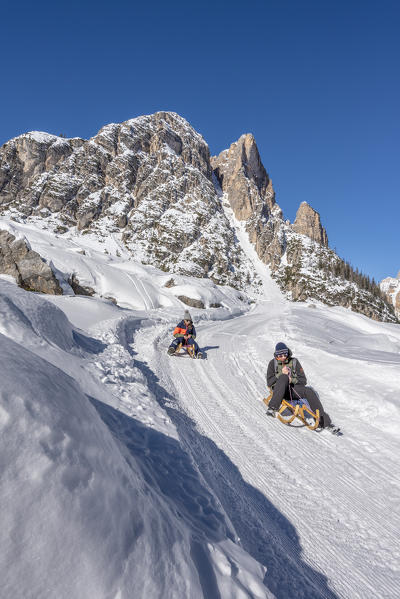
184,336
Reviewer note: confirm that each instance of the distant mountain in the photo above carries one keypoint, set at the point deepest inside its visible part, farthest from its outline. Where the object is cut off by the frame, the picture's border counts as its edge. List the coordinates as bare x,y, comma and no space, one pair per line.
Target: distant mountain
151,181
391,288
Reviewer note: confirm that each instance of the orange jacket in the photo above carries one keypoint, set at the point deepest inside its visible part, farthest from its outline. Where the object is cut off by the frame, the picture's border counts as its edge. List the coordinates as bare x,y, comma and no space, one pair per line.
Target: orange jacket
181,330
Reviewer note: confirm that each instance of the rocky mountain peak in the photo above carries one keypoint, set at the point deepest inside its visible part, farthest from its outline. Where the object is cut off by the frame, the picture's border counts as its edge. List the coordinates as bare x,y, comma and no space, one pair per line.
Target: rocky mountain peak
148,180
308,222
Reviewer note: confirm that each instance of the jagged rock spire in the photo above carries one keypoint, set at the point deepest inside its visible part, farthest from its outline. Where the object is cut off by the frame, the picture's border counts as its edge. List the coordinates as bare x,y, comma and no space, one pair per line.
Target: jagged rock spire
242,175
308,222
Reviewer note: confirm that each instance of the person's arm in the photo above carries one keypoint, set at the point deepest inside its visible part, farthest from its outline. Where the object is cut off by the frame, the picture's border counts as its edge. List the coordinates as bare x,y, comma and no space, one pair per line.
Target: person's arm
299,377
192,332
179,331
271,378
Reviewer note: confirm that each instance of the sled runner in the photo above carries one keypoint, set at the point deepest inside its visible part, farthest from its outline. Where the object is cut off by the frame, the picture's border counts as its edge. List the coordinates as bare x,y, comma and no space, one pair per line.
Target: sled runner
296,408
189,350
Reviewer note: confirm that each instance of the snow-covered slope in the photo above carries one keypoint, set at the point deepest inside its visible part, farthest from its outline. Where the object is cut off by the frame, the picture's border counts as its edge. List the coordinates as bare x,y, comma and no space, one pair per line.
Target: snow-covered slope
97,500
127,473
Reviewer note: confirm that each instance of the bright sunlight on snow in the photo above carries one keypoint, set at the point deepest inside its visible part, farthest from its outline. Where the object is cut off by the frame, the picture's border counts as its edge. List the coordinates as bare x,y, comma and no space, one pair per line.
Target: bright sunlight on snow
129,473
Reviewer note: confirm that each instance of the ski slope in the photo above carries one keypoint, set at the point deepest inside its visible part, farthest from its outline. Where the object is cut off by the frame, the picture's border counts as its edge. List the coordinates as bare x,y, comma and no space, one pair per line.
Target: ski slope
227,502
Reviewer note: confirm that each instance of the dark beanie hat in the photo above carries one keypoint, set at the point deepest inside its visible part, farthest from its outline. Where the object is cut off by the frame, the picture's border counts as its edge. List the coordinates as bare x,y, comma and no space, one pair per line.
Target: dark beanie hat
281,348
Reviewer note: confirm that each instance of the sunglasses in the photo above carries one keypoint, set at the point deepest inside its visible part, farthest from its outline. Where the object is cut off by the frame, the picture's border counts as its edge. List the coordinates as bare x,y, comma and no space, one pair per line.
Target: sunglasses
281,355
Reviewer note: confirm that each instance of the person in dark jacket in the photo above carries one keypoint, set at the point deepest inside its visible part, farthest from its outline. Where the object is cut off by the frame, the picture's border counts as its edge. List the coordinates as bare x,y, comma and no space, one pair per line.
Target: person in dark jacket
286,379
184,334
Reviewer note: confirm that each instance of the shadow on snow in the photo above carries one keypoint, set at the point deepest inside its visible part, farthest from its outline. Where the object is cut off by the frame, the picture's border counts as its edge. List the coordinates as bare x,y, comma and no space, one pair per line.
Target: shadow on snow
264,532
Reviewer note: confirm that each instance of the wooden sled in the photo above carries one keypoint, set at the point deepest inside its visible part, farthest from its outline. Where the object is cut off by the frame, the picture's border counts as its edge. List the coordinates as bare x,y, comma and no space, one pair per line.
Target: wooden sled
295,408
188,348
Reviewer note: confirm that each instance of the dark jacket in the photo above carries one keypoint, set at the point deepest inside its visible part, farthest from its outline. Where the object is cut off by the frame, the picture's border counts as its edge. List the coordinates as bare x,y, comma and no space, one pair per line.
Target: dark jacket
274,371
181,330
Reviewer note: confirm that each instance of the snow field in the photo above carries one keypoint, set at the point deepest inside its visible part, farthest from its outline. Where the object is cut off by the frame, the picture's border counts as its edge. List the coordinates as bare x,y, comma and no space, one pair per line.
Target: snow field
117,457
99,503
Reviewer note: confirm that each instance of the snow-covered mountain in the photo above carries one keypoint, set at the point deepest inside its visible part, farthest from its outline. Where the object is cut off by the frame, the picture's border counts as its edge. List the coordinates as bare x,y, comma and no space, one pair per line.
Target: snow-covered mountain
128,473
148,180
150,183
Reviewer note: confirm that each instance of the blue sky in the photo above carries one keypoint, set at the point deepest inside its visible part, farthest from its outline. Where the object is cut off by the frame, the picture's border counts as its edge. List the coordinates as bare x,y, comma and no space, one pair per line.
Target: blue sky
317,82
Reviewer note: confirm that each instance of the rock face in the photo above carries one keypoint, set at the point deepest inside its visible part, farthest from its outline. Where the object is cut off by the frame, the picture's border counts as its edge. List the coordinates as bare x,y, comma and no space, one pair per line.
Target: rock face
26,266
151,182
391,288
308,223
248,188
241,171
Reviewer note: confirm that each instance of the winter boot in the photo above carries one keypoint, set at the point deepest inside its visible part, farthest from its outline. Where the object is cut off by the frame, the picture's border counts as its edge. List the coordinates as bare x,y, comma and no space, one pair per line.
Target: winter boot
332,428
271,411
309,420
171,350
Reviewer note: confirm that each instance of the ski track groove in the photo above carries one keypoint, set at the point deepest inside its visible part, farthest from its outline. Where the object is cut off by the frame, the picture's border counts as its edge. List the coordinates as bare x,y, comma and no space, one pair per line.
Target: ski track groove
222,441
148,302
205,397
206,419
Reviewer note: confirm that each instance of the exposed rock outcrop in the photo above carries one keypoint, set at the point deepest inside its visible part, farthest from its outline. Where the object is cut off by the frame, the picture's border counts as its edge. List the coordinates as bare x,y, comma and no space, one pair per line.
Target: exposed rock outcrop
79,289
189,301
248,188
308,223
26,266
242,175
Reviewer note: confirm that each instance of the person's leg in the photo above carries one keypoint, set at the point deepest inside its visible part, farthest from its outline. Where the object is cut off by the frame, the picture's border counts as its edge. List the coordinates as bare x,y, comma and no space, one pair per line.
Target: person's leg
280,390
315,404
174,344
193,344
192,341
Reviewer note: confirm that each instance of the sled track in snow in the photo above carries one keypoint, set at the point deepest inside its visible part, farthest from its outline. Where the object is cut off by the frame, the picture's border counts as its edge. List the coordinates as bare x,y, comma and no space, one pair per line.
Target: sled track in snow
273,480
216,448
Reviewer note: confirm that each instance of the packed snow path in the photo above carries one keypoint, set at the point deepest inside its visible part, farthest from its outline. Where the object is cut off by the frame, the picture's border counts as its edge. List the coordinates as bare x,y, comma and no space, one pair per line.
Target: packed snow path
307,505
